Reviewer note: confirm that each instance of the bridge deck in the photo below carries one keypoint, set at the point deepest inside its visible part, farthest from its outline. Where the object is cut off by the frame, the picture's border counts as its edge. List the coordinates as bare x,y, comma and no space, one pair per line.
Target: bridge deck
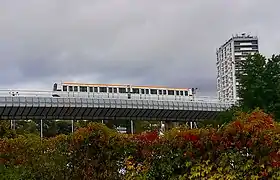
87,109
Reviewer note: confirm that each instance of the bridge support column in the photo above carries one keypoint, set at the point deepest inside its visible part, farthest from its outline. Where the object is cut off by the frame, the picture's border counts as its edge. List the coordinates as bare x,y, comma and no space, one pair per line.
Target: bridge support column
170,124
162,127
13,124
41,129
72,126
192,124
167,125
131,126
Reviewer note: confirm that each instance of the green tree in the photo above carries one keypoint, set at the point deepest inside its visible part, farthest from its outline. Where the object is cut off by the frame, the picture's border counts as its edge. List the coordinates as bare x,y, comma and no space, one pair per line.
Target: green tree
272,91
259,82
5,129
63,127
49,127
223,118
26,127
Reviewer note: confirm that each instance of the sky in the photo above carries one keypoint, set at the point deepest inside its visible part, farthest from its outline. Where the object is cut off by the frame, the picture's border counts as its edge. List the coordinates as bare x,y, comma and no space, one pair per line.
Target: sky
139,42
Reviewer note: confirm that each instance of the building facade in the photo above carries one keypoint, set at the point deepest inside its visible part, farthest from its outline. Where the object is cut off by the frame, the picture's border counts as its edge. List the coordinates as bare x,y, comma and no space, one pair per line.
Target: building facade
229,56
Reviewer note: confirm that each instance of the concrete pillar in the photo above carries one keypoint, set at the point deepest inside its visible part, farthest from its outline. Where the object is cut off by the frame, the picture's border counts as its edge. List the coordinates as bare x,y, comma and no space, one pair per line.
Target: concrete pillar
192,124
13,124
72,125
41,128
170,124
162,127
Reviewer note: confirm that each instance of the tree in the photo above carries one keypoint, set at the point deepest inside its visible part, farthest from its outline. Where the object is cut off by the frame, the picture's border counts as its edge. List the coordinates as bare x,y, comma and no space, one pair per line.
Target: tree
63,127
259,82
5,129
26,127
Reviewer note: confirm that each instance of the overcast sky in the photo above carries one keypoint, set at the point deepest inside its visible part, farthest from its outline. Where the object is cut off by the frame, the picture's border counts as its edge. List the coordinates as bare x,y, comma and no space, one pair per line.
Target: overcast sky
141,42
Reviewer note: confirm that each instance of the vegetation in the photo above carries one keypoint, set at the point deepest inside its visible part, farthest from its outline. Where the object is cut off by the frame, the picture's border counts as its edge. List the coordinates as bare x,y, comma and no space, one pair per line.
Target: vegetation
245,148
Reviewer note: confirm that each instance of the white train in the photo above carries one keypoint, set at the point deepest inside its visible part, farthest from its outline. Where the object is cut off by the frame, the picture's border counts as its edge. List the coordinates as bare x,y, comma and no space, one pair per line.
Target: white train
71,89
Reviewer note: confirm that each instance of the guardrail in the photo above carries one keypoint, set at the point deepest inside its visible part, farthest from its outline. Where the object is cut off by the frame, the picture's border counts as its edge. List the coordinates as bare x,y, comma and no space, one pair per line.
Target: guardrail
46,93
25,93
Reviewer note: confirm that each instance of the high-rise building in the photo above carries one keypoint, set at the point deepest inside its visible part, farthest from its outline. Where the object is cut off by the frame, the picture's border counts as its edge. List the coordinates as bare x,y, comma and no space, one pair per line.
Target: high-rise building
229,56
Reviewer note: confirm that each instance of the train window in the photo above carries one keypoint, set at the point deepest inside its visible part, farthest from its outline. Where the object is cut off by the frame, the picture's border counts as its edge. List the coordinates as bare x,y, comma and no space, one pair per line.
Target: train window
181,93
90,89
102,89
147,91
110,90
153,91
186,93
83,89
170,92
177,93
135,90
70,88
164,92
95,89
64,88
115,90
142,91
76,88
122,90
160,92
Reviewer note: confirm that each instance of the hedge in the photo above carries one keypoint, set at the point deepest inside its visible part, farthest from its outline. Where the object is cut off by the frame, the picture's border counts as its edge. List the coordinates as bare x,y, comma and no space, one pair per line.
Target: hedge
247,148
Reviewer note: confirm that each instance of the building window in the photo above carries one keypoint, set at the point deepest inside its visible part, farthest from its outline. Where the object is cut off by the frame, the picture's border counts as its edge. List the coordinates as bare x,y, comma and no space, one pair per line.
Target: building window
90,89
110,90
142,91
147,91
76,88
71,88
160,92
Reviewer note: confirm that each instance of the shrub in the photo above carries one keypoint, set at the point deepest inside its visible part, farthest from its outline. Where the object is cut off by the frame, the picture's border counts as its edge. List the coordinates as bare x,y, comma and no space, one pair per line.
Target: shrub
247,148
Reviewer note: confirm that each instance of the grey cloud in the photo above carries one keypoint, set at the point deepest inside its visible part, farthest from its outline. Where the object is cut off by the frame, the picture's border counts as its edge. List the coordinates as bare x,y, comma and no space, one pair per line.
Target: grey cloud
138,42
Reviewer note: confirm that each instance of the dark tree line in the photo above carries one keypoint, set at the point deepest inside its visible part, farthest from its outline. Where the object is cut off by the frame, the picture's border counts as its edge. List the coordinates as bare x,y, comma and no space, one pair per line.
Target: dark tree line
52,128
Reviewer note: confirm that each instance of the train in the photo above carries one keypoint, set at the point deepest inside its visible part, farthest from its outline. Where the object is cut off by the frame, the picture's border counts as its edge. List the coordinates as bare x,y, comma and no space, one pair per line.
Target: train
121,91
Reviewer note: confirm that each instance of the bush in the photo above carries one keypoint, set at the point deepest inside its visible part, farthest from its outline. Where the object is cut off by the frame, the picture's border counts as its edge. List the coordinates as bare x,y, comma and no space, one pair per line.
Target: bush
245,148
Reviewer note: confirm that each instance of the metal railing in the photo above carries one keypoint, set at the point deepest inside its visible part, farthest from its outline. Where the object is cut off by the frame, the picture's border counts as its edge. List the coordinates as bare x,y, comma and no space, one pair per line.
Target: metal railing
47,93
25,93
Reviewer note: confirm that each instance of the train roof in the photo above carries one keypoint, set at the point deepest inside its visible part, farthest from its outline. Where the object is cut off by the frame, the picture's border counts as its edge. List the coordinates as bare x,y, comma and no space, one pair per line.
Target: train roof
124,85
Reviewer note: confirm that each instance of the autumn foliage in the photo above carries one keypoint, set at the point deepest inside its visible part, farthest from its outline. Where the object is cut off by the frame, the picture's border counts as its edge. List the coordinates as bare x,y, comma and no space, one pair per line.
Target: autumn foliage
247,148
